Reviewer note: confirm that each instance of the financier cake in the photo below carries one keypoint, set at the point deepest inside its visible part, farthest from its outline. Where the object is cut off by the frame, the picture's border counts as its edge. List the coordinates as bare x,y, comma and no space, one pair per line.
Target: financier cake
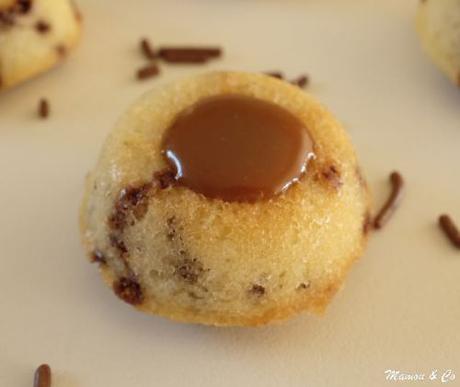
438,24
226,199
35,35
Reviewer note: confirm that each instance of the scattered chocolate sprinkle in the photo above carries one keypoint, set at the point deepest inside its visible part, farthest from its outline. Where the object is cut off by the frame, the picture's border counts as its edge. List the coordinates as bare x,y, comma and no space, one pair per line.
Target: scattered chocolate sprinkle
332,175
98,257
189,270
257,290
43,108
61,50
42,27
128,290
147,49
301,81
450,229
42,377
164,178
275,74
148,71
189,54
393,201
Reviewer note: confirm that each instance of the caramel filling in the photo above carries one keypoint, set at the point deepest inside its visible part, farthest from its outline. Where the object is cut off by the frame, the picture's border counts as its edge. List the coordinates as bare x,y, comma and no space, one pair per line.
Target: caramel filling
237,148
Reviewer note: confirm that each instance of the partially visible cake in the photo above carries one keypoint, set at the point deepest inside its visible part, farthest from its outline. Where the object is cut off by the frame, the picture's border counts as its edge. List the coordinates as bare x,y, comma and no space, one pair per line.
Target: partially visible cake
35,35
438,24
226,199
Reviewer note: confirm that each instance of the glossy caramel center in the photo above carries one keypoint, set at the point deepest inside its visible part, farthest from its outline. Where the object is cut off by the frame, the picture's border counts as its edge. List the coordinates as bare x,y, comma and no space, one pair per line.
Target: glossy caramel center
237,148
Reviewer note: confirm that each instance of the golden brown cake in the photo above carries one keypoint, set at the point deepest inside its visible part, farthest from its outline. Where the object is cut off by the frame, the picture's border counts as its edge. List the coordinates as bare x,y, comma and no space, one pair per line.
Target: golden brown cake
174,238
35,35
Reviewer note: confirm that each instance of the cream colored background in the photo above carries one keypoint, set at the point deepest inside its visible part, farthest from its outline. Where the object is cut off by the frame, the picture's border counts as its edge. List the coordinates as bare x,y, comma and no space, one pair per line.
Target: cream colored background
400,308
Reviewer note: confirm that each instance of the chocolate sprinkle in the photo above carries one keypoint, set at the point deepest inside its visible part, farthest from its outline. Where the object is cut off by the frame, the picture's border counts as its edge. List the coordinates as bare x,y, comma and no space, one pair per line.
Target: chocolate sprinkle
42,27
189,54
275,74
128,290
147,49
43,108
301,81
450,229
148,72
42,377
393,201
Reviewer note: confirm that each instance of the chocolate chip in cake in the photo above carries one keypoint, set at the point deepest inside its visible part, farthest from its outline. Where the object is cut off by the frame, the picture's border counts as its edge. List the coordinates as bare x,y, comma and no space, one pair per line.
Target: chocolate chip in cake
98,257
189,270
257,290
132,199
42,27
332,175
129,290
171,228
23,6
118,243
303,286
164,178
